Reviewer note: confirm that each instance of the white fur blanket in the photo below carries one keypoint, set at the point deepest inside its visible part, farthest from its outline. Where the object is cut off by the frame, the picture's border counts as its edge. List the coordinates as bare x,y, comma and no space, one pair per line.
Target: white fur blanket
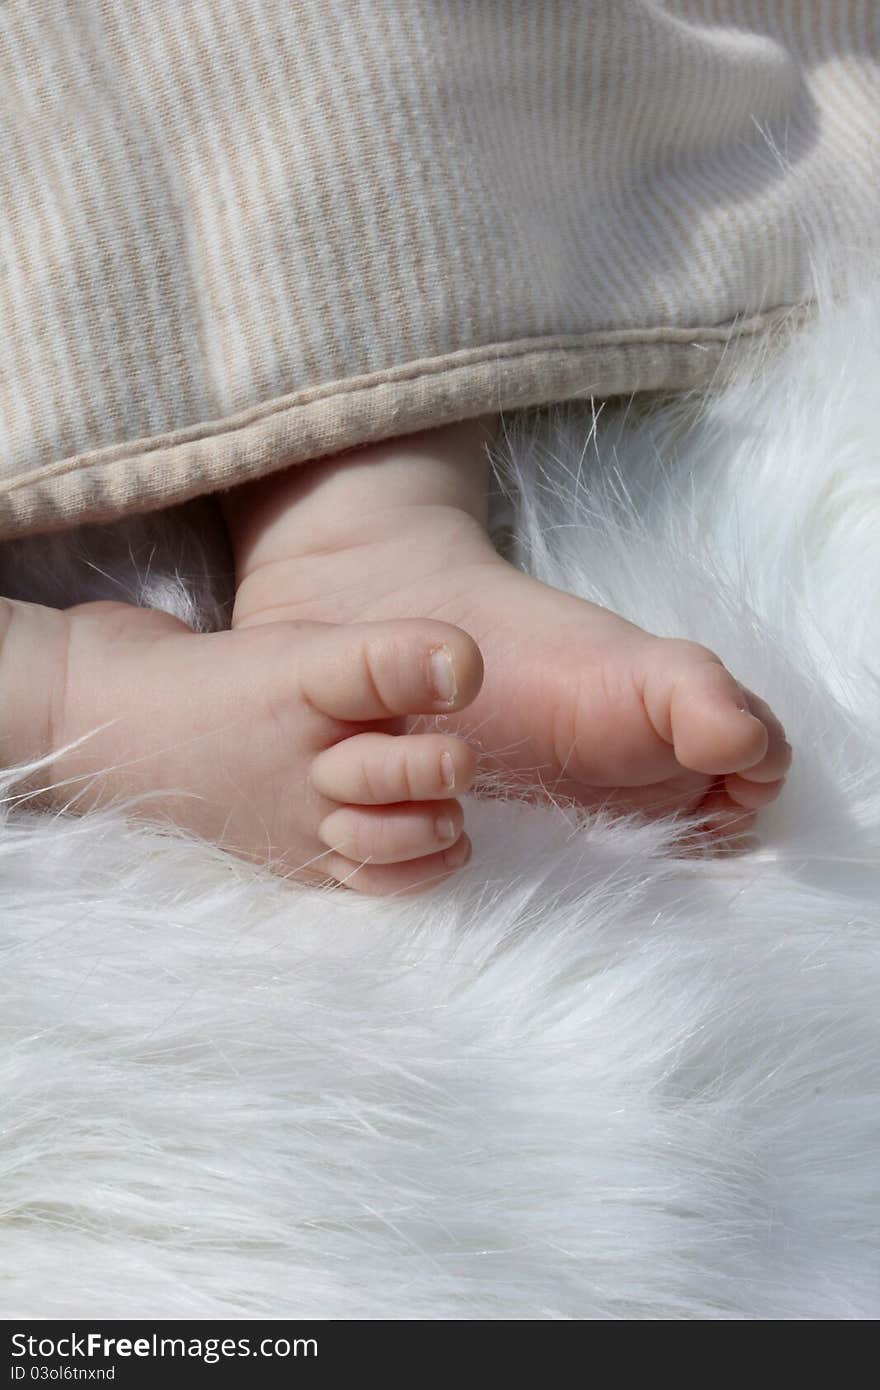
588,1080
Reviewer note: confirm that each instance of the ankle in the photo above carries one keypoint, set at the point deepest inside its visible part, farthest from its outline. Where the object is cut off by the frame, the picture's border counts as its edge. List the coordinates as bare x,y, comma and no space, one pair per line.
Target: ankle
350,498
33,645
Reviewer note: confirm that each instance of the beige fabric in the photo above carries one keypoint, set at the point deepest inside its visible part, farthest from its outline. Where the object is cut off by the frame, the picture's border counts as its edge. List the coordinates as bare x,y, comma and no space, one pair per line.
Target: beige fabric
237,234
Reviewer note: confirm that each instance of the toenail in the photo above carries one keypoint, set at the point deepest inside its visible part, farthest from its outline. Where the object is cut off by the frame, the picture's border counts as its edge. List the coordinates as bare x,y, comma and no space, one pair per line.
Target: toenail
459,854
443,675
445,828
447,770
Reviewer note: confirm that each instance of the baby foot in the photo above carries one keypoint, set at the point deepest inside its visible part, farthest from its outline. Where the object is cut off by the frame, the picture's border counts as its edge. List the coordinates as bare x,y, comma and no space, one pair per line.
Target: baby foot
575,700
284,744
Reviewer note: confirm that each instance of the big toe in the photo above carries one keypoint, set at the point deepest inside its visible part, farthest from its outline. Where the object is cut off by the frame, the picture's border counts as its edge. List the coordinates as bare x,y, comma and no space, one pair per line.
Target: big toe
382,670
709,722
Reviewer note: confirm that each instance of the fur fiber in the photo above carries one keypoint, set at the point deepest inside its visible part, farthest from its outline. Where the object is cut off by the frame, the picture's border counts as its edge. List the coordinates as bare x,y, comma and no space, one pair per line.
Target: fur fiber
591,1079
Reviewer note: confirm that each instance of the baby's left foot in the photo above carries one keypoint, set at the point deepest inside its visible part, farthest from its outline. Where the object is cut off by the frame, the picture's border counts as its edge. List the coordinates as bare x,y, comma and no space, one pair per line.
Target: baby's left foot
284,744
575,699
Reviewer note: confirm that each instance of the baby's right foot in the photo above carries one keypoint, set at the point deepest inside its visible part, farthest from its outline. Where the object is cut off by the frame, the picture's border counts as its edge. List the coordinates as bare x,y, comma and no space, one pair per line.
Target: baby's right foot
282,743
576,701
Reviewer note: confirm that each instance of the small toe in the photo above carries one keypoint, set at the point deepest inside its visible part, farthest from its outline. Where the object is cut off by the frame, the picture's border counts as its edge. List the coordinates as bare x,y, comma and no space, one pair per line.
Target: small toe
722,817
398,880
377,769
392,834
376,671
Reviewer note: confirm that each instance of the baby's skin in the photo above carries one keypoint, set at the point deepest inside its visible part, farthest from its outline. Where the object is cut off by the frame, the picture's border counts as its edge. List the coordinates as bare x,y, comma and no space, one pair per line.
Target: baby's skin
368,595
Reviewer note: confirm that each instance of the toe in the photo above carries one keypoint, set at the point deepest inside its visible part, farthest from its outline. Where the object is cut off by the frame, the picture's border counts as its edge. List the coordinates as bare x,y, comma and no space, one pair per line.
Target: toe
752,795
378,769
777,759
372,671
392,834
712,728
723,818
386,880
